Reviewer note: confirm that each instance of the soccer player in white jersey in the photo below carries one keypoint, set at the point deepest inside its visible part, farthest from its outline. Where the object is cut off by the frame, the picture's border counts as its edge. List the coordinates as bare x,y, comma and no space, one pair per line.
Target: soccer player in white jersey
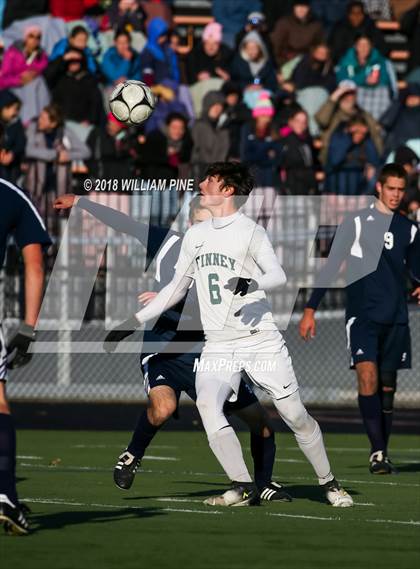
233,263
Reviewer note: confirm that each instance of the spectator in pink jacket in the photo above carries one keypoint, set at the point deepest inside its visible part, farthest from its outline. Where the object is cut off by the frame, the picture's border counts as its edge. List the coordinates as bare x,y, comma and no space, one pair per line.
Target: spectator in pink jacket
21,71
24,60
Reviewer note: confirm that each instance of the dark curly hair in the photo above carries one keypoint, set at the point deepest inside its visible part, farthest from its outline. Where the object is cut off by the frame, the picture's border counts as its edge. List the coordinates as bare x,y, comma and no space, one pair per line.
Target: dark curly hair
234,174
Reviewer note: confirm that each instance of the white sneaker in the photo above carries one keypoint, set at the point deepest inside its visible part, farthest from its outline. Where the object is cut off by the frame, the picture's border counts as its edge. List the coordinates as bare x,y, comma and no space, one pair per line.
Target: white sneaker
336,495
239,495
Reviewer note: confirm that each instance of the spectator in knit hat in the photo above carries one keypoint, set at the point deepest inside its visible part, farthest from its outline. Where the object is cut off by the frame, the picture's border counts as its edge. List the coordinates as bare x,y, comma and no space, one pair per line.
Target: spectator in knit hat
209,58
259,148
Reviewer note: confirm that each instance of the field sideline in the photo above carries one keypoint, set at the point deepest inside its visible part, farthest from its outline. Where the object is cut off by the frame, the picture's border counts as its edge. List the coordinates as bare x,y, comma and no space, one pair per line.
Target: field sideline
82,520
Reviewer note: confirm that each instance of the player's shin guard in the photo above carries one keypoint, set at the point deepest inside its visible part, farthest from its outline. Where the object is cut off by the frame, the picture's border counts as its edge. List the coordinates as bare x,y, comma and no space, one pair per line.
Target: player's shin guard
7,457
388,385
307,433
227,449
263,450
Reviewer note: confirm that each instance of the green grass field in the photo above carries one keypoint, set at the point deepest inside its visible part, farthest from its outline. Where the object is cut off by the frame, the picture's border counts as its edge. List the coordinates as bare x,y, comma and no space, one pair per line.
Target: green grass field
81,520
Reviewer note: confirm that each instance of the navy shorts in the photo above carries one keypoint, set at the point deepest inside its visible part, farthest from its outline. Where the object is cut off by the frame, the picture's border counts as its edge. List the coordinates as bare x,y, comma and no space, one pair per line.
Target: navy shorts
179,375
388,345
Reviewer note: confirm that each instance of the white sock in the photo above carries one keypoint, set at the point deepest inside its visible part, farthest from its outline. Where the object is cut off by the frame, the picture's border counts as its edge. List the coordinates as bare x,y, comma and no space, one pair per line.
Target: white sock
227,449
314,449
307,433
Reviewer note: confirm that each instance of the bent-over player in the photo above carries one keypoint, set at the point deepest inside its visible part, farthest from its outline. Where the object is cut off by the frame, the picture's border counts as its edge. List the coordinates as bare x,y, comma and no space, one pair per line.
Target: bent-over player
232,262
170,372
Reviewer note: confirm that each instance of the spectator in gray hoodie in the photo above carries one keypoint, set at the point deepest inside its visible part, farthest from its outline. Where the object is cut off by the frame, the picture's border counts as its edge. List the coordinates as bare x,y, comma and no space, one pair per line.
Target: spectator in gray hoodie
252,67
210,136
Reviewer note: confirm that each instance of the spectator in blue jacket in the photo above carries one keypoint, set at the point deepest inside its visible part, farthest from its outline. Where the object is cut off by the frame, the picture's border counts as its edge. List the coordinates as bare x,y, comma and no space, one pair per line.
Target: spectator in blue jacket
77,40
121,61
158,59
352,160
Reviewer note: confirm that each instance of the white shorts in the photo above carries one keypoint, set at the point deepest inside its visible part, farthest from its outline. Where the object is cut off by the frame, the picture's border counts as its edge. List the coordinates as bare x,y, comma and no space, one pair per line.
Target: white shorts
3,356
263,356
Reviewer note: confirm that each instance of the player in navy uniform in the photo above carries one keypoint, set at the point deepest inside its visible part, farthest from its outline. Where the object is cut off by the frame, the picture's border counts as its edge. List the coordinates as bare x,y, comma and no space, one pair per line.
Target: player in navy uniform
376,309
167,374
20,219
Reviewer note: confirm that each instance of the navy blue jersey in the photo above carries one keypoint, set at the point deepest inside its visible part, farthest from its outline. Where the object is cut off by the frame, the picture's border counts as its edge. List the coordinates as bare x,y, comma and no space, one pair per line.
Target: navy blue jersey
181,323
362,239
20,218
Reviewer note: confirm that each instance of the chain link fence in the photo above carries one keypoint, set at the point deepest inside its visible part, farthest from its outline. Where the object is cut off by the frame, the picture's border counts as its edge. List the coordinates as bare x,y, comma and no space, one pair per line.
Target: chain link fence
69,363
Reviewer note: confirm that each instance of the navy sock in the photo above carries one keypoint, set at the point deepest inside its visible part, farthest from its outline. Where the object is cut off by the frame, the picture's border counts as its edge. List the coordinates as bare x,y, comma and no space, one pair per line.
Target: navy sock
8,457
387,426
371,410
142,436
263,450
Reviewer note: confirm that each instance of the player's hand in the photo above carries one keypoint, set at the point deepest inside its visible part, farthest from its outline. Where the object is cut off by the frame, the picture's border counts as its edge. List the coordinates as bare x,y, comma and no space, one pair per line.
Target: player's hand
146,297
416,294
66,201
307,325
117,334
17,348
239,285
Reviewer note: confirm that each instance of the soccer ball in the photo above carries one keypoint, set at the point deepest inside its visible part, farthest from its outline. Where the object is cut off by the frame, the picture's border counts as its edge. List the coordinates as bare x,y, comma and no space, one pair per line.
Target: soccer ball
132,102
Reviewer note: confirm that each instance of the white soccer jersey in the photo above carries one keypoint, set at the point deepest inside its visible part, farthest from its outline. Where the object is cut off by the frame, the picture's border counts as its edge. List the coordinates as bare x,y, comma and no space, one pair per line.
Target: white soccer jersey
217,250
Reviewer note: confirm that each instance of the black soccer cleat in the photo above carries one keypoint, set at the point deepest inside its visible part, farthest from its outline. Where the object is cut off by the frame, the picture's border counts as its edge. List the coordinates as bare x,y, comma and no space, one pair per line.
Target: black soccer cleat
378,463
125,470
13,517
275,492
241,494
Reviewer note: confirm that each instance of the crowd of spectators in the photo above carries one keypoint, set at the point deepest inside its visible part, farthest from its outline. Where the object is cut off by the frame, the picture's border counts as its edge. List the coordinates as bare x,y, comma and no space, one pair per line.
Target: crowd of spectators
303,91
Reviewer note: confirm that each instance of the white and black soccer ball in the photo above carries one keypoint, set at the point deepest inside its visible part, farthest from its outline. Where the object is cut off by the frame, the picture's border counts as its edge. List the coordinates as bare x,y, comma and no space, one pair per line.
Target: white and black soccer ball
132,102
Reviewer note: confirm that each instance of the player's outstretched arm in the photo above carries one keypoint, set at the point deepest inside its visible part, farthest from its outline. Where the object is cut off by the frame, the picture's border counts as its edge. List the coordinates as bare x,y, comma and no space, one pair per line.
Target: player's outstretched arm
109,216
